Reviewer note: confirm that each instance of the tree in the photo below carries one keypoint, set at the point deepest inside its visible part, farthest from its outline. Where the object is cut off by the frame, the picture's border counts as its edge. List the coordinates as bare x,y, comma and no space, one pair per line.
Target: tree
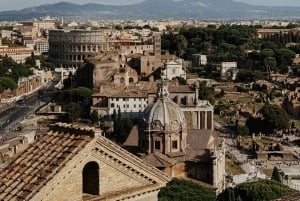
179,190
73,112
270,64
122,128
276,175
9,68
81,93
266,190
7,83
181,80
227,195
94,116
31,60
181,44
242,130
255,125
274,117
284,56
206,93
246,75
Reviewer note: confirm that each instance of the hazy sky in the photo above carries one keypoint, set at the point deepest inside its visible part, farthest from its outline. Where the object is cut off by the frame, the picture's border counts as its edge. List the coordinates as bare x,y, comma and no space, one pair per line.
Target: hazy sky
19,4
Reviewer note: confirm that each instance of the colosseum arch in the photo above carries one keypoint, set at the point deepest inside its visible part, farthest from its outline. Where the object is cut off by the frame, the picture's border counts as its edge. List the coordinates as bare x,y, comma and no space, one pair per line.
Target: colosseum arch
90,178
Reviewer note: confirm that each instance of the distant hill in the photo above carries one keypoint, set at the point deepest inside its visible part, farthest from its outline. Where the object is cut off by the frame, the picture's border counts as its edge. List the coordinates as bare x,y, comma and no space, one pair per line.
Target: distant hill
158,9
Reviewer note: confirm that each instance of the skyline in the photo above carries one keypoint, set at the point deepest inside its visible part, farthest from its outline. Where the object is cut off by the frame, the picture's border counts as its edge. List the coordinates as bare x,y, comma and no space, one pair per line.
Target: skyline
19,4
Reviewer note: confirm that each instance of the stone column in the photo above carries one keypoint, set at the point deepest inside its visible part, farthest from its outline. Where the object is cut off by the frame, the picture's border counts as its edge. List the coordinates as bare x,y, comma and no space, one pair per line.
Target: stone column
150,144
205,120
199,119
169,143
215,170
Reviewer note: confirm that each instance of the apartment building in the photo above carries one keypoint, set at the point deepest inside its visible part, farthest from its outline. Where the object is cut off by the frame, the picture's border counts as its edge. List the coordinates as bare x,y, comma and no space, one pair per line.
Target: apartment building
18,54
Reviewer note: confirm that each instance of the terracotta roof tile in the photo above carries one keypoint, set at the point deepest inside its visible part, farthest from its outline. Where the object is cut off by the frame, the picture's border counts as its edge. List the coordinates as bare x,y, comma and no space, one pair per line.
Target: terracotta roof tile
27,173
181,89
292,197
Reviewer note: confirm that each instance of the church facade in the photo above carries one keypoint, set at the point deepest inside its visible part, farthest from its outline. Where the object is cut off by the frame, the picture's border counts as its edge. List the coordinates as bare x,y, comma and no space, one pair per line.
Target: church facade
165,141
73,163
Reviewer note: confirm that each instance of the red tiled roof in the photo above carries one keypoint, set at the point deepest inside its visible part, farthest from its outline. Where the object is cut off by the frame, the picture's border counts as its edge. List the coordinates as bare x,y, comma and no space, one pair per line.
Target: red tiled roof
40,161
292,197
181,89
130,94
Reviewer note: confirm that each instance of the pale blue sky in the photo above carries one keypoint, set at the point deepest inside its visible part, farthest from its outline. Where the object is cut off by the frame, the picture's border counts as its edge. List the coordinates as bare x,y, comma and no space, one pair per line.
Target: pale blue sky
19,4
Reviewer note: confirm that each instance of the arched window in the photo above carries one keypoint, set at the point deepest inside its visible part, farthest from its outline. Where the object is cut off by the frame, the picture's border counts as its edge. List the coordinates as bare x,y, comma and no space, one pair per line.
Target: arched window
90,178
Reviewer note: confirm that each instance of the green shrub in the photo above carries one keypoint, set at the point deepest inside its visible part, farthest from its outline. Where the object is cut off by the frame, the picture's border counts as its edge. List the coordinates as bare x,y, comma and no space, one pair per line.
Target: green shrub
182,190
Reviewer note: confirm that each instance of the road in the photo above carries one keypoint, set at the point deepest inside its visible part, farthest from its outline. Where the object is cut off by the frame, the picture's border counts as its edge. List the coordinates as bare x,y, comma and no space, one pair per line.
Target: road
9,120
18,111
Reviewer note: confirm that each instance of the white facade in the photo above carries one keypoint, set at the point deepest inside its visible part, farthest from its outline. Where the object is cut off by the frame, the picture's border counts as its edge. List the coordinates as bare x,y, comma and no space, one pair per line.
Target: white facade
199,60
200,116
42,46
228,70
174,69
6,33
203,59
129,106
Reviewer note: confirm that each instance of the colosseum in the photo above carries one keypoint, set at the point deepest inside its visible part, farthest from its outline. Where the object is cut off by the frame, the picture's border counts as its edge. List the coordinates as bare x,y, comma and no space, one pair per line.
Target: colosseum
71,48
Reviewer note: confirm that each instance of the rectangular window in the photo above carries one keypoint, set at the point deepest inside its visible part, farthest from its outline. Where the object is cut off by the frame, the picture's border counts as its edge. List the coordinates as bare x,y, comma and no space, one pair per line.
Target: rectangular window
174,144
157,145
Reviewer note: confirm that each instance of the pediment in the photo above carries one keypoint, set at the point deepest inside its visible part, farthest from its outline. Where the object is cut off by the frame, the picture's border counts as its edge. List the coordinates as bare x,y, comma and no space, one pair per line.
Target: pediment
66,161
127,163
123,172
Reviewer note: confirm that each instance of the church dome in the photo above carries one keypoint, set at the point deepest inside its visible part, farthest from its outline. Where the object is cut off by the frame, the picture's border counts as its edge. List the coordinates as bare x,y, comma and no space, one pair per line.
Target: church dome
164,112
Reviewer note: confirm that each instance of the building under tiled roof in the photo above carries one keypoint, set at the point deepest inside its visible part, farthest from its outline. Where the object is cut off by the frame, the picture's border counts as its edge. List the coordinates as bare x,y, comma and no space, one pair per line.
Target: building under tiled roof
54,168
39,162
292,197
181,89
131,94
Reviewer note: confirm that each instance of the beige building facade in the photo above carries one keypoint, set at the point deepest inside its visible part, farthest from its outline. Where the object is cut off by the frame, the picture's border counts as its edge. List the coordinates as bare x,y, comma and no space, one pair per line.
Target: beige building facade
18,54
72,163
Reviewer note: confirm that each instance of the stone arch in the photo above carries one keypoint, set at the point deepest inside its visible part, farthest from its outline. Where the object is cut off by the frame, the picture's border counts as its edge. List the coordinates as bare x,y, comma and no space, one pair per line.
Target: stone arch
90,178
